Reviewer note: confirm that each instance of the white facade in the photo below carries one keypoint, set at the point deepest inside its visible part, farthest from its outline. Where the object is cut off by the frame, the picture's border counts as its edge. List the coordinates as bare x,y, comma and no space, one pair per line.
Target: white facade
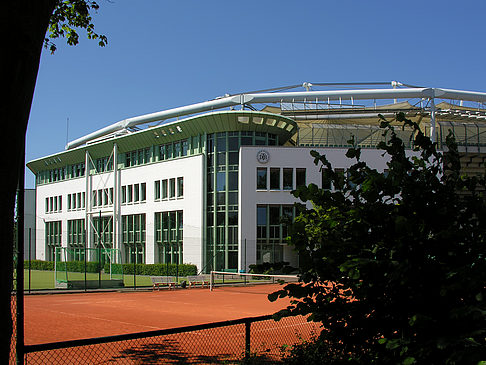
235,169
280,158
191,203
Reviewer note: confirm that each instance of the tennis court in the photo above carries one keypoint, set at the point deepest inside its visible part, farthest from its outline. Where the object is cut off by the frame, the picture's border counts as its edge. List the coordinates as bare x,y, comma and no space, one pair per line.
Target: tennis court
62,317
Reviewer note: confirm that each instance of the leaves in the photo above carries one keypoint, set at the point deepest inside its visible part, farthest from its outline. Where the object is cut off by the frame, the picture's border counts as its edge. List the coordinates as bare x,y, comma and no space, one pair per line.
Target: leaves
394,263
68,16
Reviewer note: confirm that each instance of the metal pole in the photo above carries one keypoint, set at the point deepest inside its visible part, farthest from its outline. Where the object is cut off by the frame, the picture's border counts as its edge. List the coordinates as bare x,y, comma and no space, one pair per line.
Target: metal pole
135,266
20,258
99,251
85,254
247,339
30,254
432,120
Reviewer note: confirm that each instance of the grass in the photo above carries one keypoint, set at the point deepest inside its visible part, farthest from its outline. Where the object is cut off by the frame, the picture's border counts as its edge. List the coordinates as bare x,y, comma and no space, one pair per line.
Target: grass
42,280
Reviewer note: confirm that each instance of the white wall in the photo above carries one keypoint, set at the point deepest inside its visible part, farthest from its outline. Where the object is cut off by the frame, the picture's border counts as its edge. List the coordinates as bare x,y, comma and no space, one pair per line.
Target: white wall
29,223
190,168
289,157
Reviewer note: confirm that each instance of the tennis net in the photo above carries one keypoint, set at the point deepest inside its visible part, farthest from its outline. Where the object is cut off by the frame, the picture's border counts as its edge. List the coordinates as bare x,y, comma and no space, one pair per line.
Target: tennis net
220,278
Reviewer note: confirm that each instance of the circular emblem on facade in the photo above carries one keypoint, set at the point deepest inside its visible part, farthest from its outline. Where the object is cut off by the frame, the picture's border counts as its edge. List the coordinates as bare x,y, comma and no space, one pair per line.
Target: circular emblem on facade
263,156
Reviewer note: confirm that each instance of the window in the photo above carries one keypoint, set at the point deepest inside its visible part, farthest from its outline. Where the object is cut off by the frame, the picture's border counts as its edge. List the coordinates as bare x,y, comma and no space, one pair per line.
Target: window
133,237
221,181
300,177
261,178
143,192
272,223
172,187
180,187
274,178
177,149
169,236
288,179
136,193
157,189
164,189
124,194
53,239
325,181
233,180
130,193
185,147
137,157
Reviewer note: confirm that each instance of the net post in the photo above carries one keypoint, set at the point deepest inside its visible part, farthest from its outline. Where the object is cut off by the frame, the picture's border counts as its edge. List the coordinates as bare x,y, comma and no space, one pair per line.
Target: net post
247,339
211,281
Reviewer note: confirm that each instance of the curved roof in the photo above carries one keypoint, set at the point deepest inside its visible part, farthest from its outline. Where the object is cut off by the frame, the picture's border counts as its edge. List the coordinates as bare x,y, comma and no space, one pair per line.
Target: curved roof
285,97
221,121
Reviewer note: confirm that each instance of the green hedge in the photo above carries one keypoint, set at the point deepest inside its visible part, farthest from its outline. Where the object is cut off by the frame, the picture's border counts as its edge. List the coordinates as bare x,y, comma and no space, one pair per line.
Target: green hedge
78,266
39,265
155,269
93,267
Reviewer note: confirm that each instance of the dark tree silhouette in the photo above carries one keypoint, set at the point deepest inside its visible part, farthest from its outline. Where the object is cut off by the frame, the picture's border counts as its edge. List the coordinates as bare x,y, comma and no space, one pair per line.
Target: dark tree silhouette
393,263
27,26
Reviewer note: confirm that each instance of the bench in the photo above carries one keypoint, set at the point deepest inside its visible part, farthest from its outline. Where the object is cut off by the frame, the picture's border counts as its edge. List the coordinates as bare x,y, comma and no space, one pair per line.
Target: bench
157,281
198,279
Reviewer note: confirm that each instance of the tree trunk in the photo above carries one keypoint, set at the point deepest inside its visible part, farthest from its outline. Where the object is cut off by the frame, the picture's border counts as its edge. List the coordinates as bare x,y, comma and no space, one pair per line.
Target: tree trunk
24,22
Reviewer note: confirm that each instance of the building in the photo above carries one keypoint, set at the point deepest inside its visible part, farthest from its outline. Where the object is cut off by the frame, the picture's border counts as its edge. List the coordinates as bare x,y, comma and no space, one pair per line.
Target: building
29,224
208,183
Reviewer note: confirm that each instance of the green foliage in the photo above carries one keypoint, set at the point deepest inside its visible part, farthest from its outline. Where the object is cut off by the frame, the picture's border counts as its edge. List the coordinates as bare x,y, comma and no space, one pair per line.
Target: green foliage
78,266
272,268
316,352
127,269
68,16
39,265
393,264
159,269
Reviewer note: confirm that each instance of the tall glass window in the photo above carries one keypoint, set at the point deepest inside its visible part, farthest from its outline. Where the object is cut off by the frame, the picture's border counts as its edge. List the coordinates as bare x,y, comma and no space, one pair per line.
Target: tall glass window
274,178
169,236
300,177
180,187
261,178
133,237
288,179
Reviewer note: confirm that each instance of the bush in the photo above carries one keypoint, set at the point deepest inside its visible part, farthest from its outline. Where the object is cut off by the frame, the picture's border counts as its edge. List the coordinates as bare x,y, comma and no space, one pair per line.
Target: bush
154,269
127,269
272,268
39,265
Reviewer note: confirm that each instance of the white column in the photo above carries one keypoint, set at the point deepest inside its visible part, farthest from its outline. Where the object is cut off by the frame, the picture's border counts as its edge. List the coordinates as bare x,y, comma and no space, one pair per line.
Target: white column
432,120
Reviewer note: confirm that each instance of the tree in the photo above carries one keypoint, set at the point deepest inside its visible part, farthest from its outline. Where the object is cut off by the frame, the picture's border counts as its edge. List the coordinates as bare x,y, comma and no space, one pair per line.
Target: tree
28,21
393,263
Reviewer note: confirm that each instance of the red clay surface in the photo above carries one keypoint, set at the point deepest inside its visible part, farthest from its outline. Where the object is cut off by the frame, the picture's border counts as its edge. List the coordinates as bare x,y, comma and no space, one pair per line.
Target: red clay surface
60,317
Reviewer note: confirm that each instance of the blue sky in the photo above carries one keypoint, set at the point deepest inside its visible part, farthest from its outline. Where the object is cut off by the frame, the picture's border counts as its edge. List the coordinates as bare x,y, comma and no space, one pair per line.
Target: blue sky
164,54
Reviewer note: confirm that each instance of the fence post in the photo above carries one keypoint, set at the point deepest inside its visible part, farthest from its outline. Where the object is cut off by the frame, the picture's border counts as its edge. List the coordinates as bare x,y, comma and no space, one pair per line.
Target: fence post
247,339
20,262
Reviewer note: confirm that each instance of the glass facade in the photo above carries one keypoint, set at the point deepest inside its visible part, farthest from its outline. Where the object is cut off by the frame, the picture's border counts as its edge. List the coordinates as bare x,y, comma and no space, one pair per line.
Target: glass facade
222,160
169,236
53,239
272,222
133,238
76,239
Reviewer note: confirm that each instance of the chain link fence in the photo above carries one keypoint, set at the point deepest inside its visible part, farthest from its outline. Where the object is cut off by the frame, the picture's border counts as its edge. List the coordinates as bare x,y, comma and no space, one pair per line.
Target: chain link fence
259,340
13,340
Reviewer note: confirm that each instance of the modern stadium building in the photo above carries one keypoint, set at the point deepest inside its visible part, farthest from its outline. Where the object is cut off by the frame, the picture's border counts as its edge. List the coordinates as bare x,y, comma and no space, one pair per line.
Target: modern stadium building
208,183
